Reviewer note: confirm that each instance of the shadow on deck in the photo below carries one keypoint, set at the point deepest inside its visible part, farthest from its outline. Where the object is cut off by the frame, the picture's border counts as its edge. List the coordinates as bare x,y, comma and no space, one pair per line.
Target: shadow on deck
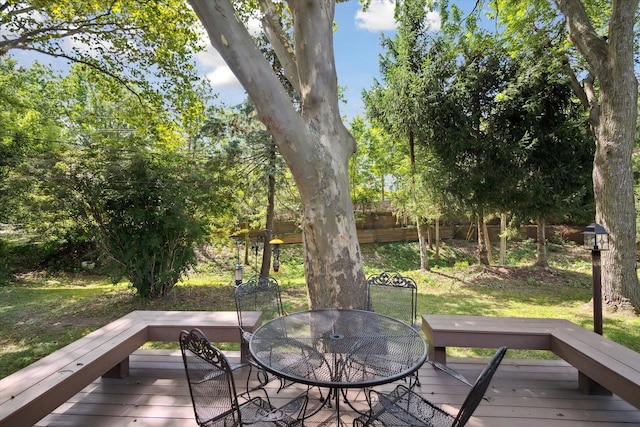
523,393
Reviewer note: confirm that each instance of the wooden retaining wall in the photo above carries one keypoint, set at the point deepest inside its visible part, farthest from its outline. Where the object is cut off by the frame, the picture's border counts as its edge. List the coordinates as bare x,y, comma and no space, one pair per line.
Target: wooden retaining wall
381,231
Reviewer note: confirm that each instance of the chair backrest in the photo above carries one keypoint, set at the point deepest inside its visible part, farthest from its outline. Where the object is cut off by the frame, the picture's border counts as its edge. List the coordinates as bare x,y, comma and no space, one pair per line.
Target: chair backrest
394,295
479,389
259,294
210,379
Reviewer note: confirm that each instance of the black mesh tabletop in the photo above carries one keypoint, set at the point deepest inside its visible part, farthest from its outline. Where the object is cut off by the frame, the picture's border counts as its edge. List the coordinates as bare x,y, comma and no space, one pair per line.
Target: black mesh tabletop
338,348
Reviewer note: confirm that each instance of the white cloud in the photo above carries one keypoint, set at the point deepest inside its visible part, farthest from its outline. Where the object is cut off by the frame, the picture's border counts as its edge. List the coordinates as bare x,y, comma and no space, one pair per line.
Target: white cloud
76,44
433,20
213,66
380,17
222,77
209,57
254,26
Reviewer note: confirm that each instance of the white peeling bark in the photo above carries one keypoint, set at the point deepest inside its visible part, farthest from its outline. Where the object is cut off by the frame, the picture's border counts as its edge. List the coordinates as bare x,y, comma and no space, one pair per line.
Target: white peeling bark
314,142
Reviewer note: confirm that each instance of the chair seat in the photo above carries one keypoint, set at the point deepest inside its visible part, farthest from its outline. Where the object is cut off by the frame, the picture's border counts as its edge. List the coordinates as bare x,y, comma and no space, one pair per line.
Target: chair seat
403,407
256,412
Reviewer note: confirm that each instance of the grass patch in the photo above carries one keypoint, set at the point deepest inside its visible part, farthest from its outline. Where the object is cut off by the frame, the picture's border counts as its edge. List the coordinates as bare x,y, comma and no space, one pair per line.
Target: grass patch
41,313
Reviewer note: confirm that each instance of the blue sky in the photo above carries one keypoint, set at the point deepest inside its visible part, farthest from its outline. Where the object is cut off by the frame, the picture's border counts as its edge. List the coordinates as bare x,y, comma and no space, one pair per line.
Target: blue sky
357,48
356,45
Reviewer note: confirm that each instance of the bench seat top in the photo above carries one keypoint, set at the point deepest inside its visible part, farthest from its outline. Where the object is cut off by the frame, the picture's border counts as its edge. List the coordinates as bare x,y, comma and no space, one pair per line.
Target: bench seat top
612,365
30,394
490,332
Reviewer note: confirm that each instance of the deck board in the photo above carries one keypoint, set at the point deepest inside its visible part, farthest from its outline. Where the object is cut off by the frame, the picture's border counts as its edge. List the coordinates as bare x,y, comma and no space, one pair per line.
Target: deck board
523,393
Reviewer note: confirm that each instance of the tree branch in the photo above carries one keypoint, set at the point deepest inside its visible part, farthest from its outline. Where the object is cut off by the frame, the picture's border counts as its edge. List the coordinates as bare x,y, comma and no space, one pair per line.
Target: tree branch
93,65
593,105
63,29
313,23
577,88
273,103
15,12
582,34
281,46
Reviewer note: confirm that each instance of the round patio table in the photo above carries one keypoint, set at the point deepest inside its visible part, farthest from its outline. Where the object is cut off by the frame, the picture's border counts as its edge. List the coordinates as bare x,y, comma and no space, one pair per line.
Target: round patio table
338,349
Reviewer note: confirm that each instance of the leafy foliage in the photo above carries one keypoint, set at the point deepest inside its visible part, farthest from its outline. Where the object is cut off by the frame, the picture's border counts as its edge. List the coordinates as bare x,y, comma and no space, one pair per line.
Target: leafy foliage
117,176
399,106
129,41
28,126
373,163
148,211
251,155
552,142
477,164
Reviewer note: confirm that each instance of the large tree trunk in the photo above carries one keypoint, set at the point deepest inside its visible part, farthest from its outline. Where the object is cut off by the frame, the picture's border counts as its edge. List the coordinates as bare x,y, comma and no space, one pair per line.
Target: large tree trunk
314,142
613,118
613,189
333,270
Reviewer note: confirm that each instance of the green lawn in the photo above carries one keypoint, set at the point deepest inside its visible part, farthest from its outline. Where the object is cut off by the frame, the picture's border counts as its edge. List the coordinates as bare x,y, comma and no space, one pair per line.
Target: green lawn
41,313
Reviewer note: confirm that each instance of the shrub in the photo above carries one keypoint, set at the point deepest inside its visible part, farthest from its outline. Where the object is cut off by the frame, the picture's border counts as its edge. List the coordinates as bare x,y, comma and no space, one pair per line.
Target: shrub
149,213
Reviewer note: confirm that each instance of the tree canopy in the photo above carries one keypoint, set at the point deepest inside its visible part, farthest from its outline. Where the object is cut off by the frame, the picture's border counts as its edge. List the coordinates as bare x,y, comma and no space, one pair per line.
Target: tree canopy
597,41
145,46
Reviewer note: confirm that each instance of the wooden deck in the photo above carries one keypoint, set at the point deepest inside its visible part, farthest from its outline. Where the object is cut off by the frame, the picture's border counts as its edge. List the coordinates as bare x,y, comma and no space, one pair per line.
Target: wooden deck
523,393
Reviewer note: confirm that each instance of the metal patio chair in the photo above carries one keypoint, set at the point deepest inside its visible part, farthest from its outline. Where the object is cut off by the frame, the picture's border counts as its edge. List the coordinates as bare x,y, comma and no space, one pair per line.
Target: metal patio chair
258,294
262,294
394,295
403,407
213,391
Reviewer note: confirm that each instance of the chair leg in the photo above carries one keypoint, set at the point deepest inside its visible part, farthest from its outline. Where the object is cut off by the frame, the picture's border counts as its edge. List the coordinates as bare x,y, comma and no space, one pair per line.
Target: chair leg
414,381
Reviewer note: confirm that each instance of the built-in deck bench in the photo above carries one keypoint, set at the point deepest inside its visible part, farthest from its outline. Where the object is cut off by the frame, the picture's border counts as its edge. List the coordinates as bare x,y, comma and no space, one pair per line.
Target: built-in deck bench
601,363
33,392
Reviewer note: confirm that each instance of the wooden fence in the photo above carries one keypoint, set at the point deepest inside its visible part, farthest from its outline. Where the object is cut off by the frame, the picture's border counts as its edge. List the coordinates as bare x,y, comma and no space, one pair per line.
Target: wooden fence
385,228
